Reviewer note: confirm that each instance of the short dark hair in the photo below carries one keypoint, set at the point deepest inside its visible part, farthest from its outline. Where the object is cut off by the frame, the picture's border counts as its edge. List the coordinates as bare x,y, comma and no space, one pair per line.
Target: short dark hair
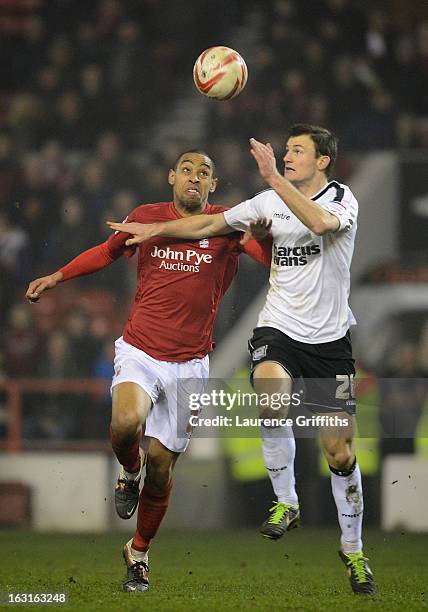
325,142
199,152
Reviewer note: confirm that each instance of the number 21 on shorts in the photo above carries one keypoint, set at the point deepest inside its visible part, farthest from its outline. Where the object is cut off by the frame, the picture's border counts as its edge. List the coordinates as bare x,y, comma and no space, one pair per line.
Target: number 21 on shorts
346,389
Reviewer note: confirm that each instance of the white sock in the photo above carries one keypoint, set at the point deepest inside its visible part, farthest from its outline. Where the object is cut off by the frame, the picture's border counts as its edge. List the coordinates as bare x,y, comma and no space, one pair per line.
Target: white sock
348,495
131,475
135,475
138,555
278,454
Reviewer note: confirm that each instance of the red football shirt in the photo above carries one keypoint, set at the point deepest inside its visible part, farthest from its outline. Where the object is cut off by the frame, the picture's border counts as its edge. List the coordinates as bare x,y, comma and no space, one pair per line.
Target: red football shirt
180,283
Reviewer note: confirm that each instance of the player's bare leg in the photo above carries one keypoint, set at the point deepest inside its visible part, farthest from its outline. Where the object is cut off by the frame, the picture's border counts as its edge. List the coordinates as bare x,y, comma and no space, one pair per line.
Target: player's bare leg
153,504
131,406
279,449
338,448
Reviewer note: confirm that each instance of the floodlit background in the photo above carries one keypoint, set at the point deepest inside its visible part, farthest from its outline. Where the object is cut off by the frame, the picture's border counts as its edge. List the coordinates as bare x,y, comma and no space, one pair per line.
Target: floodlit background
96,102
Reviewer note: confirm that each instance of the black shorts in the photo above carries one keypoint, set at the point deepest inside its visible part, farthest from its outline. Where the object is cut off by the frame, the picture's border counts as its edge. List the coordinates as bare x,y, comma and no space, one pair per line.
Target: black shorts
327,369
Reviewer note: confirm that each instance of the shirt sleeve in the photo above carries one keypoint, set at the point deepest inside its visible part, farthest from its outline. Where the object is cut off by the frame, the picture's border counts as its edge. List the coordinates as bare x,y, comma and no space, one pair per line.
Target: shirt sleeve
89,261
345,209
100,256
240,216
259,251
116,242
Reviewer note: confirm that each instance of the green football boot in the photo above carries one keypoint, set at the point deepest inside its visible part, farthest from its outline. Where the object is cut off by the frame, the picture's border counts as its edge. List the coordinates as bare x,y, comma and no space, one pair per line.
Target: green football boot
360,574
283,517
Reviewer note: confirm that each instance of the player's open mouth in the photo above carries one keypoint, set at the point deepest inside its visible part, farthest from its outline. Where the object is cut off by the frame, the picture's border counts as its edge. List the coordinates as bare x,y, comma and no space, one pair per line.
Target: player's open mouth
192,192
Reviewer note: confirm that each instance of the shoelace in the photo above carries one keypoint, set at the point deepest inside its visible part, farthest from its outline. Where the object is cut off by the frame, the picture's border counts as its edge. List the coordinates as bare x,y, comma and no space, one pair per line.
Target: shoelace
124,482
139,570
358,562
278,510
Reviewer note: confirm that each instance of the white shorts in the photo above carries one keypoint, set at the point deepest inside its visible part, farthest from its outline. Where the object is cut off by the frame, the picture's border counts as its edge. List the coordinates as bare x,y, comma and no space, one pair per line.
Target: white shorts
168,384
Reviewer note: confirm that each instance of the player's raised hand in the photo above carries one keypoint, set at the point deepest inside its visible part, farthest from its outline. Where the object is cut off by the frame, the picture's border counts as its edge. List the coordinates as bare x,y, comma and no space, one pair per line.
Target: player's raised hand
38,286
258,230
139,231
265,158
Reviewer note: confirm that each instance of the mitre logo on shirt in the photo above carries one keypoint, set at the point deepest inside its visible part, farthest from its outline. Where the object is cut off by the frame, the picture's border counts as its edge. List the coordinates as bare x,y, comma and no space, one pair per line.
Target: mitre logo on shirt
204,243
295,255
183,261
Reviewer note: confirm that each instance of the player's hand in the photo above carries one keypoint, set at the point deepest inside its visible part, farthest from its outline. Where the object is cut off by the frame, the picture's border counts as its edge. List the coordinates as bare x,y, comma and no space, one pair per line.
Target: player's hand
265,158
258,230
139,231
38,286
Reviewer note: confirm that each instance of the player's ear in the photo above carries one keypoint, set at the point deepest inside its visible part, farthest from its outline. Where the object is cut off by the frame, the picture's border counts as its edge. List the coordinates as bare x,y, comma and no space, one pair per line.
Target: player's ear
323,162
213,185
171,177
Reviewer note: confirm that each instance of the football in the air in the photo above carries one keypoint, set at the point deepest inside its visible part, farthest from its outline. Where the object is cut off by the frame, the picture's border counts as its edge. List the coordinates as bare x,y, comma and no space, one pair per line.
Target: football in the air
220,73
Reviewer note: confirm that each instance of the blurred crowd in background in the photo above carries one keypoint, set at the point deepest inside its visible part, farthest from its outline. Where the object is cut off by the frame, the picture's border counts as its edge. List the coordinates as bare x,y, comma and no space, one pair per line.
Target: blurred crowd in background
84,87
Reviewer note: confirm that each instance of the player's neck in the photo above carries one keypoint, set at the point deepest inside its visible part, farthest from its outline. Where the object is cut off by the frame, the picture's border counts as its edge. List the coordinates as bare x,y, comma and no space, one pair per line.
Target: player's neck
189,211
312,186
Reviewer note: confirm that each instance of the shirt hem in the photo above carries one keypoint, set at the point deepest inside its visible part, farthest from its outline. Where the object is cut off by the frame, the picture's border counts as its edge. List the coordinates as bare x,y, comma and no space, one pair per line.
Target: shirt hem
162,356
300,338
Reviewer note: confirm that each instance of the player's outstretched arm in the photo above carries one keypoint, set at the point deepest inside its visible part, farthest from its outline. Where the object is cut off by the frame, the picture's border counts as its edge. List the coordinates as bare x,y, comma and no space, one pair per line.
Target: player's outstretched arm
318,220
89,261
40,285
197,226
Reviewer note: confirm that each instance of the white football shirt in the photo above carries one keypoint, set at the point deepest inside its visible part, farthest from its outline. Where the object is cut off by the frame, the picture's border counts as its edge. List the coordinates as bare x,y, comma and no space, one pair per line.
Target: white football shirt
310,274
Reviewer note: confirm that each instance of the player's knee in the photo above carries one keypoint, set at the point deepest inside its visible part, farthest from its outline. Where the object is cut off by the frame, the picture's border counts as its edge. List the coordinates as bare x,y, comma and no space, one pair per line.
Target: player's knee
340,458
273,386
125,421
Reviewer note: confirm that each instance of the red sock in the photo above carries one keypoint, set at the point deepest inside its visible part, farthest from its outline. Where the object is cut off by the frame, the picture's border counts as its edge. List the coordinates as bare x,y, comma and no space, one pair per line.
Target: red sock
127,451
152,507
